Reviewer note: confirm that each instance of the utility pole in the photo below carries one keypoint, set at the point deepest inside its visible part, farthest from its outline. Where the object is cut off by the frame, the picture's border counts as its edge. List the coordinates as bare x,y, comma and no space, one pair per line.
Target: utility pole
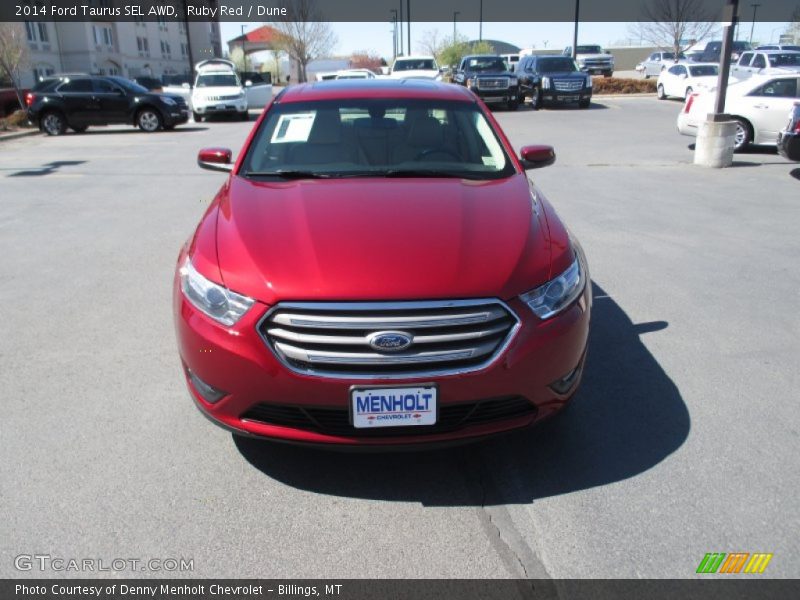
575,32
729,18
755,6
455,14
188,44
244,49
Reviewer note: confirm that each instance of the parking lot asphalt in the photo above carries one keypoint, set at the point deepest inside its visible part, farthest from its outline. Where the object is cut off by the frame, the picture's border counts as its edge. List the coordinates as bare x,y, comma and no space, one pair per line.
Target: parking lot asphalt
683,439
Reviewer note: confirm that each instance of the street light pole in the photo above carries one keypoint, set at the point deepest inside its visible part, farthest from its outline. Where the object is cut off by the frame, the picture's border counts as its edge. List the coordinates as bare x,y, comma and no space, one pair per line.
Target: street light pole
394,32
401,29
408,16
575,32
455,14
725,56
480,22
755,7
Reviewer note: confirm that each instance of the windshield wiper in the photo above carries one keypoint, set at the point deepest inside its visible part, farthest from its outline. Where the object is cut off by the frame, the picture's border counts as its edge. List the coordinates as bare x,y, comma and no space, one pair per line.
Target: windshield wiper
289,174
422,173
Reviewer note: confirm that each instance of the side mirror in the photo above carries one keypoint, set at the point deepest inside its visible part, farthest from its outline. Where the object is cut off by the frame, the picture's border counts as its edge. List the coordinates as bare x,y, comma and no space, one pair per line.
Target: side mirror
215,159
536,157
248,83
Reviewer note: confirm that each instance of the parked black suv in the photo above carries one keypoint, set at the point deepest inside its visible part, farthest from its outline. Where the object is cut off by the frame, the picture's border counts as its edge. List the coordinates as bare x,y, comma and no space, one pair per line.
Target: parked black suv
713,50
79,102
554,79
488,77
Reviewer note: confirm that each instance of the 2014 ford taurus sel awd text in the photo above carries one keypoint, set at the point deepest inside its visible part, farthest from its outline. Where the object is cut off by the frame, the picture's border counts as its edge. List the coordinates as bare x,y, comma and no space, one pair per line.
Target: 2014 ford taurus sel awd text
377,269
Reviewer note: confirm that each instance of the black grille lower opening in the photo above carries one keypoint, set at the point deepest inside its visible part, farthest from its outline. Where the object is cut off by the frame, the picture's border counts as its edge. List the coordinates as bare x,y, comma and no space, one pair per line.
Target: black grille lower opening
336,421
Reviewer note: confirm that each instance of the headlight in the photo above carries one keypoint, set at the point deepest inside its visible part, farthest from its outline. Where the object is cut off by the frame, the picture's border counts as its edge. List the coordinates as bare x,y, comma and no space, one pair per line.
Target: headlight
546,83
554,296
219,303
513,81
168,101
470,82
588,81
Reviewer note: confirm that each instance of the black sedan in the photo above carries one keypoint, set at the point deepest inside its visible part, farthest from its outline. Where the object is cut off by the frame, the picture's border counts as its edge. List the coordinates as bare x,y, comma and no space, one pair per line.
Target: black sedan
80,102
489,78
789,138
553,79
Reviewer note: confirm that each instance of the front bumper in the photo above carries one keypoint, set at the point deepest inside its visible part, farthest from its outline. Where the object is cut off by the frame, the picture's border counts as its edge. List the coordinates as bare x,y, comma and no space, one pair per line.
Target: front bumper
687,125
506,95
789,145
516,386
556,97
176,116
220,108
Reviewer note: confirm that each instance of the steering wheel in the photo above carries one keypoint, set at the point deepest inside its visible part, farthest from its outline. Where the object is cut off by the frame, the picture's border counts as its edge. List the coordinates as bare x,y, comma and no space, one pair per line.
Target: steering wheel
430,151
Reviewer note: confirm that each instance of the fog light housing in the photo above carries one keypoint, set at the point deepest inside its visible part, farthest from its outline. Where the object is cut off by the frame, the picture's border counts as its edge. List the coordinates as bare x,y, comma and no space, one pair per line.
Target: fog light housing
209,393
567,382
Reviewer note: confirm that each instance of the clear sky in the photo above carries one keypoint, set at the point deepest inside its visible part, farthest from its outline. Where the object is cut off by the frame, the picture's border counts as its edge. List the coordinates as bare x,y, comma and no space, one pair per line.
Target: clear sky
378,36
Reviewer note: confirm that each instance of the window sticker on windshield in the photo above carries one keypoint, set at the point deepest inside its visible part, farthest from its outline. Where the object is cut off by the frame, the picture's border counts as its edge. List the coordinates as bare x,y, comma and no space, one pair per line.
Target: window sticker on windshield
489,161
295,127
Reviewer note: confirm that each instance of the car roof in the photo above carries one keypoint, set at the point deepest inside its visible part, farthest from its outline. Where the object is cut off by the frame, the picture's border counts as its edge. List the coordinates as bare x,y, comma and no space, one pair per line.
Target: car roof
342,89
482,56
771,52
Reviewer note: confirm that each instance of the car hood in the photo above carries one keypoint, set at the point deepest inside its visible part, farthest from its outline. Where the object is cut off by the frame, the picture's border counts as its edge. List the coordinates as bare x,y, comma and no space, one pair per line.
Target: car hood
584,56
565,74
489,74
377,239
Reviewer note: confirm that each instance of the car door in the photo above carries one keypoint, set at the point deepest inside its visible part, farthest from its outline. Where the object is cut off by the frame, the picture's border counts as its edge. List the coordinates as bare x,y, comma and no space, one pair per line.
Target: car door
767,106
741,69
113,103
671,81
459,74
759,64
651,65
79,101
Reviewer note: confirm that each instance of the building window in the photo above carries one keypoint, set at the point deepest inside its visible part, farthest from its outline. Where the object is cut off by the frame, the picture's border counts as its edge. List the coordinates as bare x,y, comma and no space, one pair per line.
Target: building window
30,31
165,49
143,45
184,50
42,71
103,35
162,23
43,35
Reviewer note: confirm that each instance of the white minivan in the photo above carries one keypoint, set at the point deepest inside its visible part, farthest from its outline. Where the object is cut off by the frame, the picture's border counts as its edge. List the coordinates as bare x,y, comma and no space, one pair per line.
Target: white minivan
218,90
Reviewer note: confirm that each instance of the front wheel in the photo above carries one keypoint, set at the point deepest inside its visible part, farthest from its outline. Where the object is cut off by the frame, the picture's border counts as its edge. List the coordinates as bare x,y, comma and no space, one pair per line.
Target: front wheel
148,120
584,103
245,116
608,73
54,123
660,92
536,99
198,118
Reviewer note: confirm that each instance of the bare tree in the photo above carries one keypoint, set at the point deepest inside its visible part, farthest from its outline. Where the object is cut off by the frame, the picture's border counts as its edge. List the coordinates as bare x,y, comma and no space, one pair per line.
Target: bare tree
431,43
303,34
13,54
675,24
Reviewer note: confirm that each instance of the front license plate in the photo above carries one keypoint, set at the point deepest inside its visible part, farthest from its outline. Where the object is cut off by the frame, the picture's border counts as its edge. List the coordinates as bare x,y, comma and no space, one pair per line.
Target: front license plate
393,407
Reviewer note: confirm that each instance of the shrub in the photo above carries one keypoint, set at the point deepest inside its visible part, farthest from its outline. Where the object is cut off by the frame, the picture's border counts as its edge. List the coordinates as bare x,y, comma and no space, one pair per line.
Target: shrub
14,121
618,85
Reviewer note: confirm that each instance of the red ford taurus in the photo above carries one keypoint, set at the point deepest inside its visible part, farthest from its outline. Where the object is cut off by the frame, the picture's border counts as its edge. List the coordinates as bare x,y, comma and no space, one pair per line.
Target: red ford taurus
378,270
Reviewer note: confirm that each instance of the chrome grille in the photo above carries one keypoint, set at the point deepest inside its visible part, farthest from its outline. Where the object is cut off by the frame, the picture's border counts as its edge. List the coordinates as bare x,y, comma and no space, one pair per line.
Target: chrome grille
333,339
492,83
568,85
220,98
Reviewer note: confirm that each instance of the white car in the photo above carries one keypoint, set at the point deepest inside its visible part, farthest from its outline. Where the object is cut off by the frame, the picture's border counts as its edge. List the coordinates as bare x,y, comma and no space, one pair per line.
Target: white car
355,74
766,62
759,106
681,79
657,62
218,90
415,67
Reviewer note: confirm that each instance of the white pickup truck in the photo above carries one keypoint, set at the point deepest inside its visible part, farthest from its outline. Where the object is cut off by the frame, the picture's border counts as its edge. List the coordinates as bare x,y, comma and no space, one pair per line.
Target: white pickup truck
592,59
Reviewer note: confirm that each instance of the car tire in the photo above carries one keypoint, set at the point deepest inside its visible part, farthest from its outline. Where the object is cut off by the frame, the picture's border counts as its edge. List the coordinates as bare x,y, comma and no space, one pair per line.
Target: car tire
198,118
688,93
79,129
744,134
53,123
584,103
536,98
608,73
149,120
245,116
645,75
660,92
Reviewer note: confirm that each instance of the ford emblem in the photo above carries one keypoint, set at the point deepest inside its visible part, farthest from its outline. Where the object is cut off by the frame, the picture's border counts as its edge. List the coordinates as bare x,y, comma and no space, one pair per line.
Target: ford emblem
390,341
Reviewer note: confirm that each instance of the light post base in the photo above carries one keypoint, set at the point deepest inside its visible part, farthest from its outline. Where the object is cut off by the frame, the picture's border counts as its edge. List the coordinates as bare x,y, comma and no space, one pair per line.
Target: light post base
715,142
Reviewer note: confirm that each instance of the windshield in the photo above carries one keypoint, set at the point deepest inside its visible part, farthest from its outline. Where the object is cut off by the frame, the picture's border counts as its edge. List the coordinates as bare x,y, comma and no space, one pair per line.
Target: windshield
704,71
486,63
176,79
419,64
784,60
217,80
376,138
589,50
129,85
557,63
